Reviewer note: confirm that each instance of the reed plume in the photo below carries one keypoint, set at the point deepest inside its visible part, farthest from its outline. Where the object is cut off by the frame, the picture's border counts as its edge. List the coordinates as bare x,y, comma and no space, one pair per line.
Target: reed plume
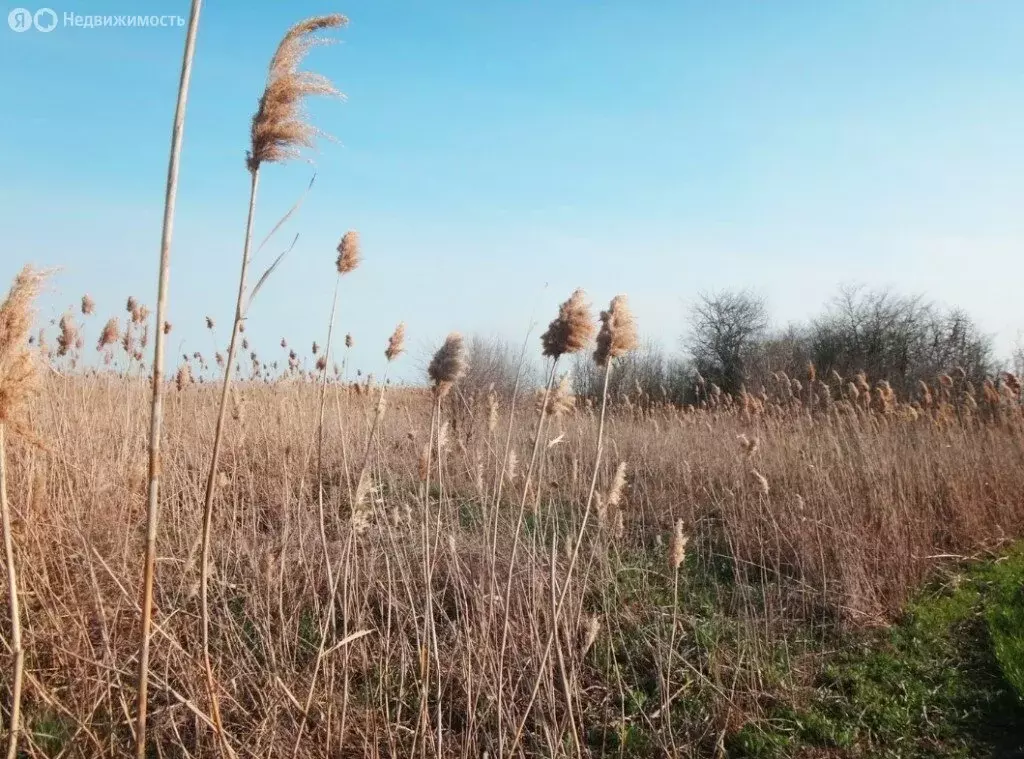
396,343
448,364
184,377
139,314
614,496
762,482
571,330
591,629
68,335
18,377
280,128
618,332
558,401
677,548
110,334
349,252
88,305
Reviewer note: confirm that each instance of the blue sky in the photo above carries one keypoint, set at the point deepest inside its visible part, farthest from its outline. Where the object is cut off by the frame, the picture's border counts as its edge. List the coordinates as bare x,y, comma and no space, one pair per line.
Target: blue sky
495,155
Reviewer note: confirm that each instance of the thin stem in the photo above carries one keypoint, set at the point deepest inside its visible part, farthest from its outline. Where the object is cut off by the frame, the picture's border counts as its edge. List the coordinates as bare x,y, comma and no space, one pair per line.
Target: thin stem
320,449
666,701
428,611
572,561
211,477
12,590
515,547
156,413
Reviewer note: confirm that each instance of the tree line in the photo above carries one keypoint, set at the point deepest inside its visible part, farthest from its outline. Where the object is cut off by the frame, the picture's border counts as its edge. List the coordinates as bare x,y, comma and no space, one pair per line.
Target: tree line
729,341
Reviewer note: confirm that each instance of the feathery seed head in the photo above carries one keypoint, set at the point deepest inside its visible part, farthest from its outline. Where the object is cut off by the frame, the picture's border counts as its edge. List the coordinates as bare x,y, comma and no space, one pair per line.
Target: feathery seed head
396,343
349,252
618,332
139,314
184,377
560,399
110,334
448,365
18,378
591,629
762,482
677,548
280,128
614,496
571,330
68,334
88,304
348,340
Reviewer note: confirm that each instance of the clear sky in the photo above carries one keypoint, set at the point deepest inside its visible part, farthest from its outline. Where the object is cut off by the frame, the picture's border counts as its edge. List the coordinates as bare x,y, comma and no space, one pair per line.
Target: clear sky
495,155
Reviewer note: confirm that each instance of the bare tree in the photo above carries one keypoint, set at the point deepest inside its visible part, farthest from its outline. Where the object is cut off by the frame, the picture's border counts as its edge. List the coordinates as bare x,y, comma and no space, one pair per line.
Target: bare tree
645,376
725,328
898,338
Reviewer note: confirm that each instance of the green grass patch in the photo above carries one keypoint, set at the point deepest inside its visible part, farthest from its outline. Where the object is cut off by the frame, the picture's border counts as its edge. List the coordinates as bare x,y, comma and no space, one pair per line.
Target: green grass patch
944,682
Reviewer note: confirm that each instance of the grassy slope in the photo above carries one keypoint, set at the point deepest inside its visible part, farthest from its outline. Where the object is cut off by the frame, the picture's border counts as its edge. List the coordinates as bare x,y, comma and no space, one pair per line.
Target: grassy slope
947,681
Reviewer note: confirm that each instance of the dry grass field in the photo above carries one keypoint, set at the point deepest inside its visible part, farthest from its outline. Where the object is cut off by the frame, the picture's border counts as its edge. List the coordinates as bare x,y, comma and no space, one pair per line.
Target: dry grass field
441,573
233,559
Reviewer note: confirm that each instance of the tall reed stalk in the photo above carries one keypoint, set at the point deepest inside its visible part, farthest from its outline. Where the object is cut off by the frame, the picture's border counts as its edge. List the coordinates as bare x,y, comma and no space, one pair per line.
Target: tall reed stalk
12,591
616,338
156,408
569,332
18,382
279,132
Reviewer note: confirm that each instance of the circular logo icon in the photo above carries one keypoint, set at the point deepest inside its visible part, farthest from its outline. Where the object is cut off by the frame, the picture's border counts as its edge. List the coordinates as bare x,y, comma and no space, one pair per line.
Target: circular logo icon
45,19
20,19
